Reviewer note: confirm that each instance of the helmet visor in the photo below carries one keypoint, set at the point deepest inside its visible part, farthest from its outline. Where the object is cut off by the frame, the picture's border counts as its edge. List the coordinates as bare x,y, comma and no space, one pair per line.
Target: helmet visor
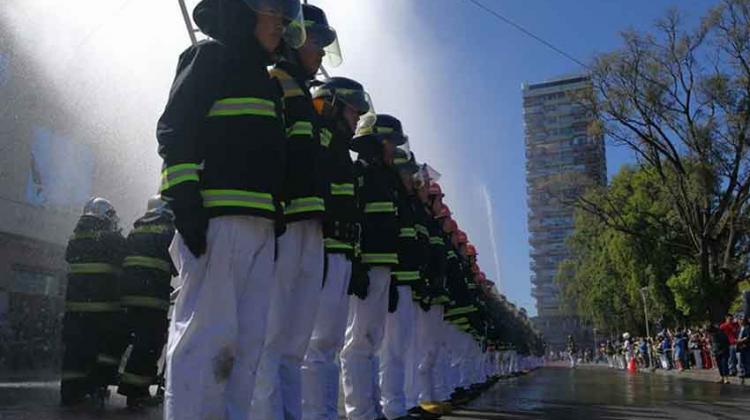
326,39
290,11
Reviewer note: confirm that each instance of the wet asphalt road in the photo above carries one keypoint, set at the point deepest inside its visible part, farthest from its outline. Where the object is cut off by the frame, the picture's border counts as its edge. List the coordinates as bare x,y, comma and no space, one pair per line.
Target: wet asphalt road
551,393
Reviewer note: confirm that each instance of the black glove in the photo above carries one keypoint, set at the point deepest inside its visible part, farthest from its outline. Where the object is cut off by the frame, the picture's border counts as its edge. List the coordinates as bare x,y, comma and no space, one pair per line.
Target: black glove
425,304
360,281
392,297
192,223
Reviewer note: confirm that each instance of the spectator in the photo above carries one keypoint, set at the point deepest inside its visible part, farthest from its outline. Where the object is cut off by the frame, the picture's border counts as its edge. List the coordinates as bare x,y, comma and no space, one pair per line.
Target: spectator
743,348
680,350
720,349
732,329
645,354
694,344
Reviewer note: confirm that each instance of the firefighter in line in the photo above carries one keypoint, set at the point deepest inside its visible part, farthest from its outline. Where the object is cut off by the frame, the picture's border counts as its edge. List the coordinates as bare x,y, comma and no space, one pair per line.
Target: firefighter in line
375,142
222,139
92,324
147,273
339,102
300,252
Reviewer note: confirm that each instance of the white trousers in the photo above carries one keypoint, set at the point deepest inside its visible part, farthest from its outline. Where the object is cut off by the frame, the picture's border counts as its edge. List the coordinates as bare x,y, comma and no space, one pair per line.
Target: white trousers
291,318
219,322
364,335
320,372
399,327
428,339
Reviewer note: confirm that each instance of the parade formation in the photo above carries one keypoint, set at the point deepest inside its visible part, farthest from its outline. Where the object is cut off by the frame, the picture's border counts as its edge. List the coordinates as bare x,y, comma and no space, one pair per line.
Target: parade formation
300,270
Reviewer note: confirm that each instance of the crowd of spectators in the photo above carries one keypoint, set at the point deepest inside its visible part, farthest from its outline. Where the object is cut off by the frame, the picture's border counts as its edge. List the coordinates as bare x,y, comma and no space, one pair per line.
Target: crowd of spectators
724,346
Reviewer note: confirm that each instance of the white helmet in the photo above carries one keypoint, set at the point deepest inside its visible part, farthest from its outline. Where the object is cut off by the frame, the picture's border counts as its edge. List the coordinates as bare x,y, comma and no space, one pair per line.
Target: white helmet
157,206
101,208
626,336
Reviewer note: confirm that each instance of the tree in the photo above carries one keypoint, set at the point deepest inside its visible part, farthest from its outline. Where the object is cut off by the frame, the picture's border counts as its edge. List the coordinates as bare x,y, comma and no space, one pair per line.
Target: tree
680,99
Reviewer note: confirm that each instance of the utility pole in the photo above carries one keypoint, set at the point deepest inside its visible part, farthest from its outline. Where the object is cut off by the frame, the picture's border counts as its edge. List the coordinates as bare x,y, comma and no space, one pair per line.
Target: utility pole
643,291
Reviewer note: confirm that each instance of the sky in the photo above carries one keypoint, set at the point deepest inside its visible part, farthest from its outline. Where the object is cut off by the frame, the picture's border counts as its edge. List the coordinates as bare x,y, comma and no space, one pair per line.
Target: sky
451,72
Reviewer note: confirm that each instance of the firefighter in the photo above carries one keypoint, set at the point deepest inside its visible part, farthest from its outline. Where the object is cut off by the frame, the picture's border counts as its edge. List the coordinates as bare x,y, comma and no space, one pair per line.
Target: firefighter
399,325
147,272
339,102
375,143
91,325
223,143
301,257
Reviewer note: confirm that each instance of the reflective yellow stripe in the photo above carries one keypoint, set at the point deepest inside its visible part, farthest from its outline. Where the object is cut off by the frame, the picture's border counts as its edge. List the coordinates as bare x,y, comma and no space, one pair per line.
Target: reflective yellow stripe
238,198
85,235
471,286
231,107
408,233
150,229
73,374
462,320
369,258
300,128
334,244
400,161
452,255
92,306
147,262
305,205
145,302
287,83
462,310
436,240
106,359
342,189
177,174
422,230
325,137
138,380
440,300
380,207
405,276
92,268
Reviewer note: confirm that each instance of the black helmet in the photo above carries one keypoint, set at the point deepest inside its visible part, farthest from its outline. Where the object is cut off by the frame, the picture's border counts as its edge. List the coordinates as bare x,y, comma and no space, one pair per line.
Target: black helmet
345,90
373,130
319,31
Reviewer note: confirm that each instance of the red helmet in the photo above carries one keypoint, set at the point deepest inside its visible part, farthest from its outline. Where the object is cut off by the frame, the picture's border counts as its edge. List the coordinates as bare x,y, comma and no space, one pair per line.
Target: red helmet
475,269
461,237
471,250
482,277
435,190
450,226
445,211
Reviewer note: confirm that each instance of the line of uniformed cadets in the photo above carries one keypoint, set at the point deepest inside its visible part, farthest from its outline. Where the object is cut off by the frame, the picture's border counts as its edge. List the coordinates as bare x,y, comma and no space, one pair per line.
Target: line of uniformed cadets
290,254
117,297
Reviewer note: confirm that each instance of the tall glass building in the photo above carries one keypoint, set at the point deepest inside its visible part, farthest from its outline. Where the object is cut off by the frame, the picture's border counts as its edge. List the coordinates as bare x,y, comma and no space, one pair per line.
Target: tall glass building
562,160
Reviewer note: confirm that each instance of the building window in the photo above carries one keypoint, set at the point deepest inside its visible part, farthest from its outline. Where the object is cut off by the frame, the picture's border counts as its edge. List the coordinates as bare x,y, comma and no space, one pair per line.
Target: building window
34,282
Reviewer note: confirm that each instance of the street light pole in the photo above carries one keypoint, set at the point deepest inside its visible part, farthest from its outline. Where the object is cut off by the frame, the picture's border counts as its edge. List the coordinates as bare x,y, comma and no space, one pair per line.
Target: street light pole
644,290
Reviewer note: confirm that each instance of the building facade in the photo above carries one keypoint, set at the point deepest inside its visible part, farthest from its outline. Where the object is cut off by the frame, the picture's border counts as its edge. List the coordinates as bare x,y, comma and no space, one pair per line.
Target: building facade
562,161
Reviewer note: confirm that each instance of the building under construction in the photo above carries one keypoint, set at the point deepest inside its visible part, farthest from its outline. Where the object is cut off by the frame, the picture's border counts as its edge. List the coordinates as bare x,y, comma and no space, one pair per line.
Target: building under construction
562,160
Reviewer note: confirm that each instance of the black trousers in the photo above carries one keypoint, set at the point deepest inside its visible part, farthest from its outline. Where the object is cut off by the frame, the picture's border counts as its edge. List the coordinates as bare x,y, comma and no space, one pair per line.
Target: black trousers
148,335
93,343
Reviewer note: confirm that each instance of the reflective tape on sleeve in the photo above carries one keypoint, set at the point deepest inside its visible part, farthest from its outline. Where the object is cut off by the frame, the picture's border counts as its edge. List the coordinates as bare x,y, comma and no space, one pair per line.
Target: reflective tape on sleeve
105,359
325,137
409,233
178,174
300,128
436,240
452,255
380,207
150,229
305,205
336,245
92,268
147,262
406,276
287,83
342,189
145,302
422,230
463,310
371,258
233,107
238,198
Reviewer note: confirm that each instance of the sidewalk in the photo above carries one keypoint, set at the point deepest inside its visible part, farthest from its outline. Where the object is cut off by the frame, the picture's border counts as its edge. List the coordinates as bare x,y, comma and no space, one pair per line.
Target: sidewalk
703,375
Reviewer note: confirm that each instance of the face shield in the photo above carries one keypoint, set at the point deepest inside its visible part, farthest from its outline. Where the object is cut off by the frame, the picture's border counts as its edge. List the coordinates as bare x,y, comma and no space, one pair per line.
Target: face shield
326,39
290,11
355,98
